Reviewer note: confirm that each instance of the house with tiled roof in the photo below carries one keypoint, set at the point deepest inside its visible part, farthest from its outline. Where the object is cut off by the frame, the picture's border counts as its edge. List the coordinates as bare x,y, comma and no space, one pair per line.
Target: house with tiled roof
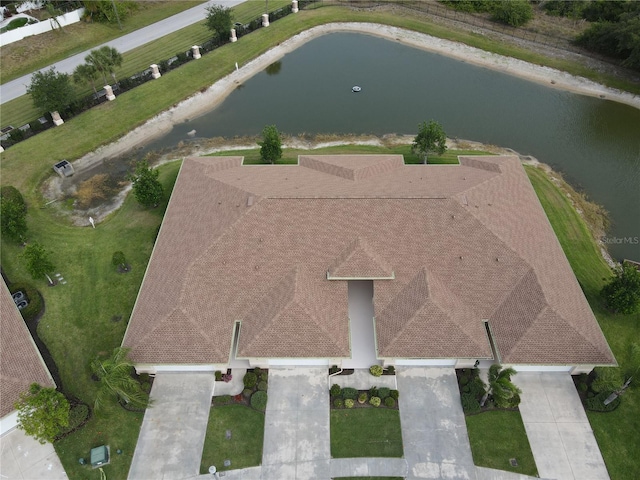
255,263
20,361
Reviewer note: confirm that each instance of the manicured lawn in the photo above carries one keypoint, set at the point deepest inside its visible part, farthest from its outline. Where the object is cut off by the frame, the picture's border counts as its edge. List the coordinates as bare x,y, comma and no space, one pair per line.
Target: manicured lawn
38,51
365,432
244,448
616,432
498,436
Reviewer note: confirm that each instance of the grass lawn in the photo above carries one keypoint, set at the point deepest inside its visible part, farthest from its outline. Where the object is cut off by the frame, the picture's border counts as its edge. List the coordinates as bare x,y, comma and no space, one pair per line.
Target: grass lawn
244,448
290,155
89,314
498,436
617,431
365,432
35,52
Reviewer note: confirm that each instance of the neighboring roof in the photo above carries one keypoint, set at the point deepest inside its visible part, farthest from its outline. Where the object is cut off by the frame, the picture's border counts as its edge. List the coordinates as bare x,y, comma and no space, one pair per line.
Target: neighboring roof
449,247
20,361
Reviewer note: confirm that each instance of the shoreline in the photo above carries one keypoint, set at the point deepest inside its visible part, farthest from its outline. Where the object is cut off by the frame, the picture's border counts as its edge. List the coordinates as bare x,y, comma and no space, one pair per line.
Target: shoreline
203,102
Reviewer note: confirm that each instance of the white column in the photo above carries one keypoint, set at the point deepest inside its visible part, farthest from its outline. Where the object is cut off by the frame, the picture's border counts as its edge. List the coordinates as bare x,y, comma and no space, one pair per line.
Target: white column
294,6
265,19
57,121
196,52
109,90
155,73
233,38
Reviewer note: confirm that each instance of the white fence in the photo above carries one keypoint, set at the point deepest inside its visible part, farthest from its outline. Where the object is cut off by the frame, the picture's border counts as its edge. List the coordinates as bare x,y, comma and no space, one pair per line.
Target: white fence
40,27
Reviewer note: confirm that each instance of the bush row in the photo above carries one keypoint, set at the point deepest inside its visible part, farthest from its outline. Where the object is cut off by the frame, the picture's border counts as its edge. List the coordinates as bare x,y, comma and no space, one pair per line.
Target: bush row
347,397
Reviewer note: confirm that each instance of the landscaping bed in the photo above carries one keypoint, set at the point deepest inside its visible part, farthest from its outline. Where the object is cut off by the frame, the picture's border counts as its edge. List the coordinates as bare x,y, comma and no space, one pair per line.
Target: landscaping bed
253,396
349,398
592,398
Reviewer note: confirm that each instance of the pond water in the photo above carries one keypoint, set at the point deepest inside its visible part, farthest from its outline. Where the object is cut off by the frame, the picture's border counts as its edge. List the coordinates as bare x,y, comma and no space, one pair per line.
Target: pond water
595,143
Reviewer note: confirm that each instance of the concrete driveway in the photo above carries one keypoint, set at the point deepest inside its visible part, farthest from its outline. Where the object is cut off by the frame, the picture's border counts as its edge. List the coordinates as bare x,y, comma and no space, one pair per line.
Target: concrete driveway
24,458
172,435
434,432
296,430
559,432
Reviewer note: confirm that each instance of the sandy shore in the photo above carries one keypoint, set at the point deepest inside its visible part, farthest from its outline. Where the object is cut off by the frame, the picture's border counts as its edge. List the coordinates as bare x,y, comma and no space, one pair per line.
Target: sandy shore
204,102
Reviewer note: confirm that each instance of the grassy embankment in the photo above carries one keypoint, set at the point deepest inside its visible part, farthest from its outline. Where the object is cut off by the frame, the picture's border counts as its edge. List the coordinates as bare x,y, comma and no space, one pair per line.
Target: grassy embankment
20,111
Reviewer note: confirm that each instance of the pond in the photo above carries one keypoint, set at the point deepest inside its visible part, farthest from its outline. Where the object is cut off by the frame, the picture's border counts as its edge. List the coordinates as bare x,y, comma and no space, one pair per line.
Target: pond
595,143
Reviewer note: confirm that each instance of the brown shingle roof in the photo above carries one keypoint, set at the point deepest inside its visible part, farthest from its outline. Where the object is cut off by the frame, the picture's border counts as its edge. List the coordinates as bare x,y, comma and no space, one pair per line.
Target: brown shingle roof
20,361
463,244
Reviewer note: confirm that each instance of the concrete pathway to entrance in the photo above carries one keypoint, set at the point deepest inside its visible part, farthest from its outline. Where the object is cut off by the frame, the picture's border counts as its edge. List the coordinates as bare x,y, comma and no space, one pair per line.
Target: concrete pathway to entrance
559,432
173,430
296,430
434,432
363,342
24,458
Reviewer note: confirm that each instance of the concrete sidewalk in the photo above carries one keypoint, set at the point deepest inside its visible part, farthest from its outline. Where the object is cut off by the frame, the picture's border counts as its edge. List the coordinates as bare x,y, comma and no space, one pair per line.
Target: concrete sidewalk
24,458
559,432
361,379
172,435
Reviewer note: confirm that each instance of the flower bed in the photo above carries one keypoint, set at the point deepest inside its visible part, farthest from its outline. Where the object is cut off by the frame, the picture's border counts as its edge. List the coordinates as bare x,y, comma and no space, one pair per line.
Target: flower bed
254,395
347,398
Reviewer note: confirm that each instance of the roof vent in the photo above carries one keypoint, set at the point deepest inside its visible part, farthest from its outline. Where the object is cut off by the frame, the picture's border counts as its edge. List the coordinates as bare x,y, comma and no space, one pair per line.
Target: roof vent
250,201
461,257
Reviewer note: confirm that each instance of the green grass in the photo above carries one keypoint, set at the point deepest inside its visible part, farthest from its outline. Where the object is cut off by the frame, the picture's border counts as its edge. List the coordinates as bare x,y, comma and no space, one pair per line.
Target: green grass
496,437
290,155
35,52
78,322
365,432
244,449
616,432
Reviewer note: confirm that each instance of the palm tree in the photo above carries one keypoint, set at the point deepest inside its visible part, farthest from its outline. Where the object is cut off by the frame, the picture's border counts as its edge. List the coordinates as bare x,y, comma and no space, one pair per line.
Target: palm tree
86,73
96,60
114,375
113,60
504,393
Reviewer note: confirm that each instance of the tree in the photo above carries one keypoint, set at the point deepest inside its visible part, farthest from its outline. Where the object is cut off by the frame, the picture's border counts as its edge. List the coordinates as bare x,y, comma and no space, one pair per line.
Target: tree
513,12
51,91
38,261
107,11
504,393
622,293
119,260
219,20
105,60
116,381
42,413
430,139
13,213
146,186
271,144
86,72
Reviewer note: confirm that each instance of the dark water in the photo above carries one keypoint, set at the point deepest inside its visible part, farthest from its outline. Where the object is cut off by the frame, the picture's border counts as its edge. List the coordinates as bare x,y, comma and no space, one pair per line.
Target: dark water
595,143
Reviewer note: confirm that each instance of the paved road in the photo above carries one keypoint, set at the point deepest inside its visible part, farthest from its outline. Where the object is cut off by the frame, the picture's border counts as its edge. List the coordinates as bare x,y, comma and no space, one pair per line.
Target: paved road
18,87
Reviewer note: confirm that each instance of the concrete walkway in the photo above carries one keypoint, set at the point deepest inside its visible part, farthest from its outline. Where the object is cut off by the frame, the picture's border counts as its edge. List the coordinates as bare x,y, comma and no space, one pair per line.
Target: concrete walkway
375,467
361,379
234,387
18,87
24,458
434,432
296,430
559,432
172,435
363,341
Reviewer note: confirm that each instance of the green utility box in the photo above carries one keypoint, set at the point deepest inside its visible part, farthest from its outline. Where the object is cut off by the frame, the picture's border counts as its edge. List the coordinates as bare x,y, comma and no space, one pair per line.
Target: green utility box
99,456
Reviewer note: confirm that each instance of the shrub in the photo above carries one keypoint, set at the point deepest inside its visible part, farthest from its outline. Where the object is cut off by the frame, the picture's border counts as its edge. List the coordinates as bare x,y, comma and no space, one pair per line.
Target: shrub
226,377
333,369
31,311
375,401
477,387
375,370
264,376
222,400
596,403
77,416
259,400
257,371
389,402
391,370
250,379
362,398
463,380
262,386
583,387
394,394
349,392
470,403
349,403
218,374
339,403
384,392
336,390
373,392
513,12
247,392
